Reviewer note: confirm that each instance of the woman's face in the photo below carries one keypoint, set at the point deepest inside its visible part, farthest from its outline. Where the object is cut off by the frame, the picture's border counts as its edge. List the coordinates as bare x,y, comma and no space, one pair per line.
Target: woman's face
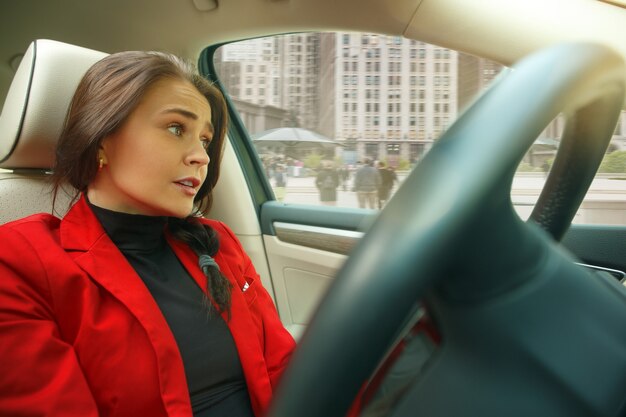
155,163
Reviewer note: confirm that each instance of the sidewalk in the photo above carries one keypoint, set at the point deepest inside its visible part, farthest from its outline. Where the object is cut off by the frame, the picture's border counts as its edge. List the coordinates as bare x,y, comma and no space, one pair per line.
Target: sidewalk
526,188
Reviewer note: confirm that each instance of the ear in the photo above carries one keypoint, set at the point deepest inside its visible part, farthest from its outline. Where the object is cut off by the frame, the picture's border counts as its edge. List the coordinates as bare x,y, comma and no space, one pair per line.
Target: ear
102,158
102,151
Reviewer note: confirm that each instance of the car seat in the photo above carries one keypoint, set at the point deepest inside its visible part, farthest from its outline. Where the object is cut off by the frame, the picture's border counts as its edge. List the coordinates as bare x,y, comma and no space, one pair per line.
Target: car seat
30,124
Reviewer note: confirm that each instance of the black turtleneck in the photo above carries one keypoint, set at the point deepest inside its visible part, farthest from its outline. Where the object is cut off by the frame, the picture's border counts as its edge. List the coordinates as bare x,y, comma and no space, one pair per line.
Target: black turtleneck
214,375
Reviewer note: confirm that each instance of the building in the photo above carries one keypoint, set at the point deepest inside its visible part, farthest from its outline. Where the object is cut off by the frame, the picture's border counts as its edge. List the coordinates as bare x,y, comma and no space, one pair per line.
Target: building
392,96
382,97
280,72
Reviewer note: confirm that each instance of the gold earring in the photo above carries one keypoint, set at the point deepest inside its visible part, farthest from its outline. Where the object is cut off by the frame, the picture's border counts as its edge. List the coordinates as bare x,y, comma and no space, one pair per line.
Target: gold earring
101,160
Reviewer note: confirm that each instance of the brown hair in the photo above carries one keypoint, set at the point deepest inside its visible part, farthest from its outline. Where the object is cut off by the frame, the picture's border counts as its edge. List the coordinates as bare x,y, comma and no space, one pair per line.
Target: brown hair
108,93
105,97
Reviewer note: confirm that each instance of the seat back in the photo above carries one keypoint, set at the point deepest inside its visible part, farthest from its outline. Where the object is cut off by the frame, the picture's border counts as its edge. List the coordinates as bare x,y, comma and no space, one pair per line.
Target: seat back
30,124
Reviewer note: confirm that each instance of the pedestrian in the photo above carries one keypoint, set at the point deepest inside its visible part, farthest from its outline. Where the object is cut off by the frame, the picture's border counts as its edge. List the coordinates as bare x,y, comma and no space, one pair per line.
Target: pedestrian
545,167
345,177
327,181
280,182
387,179
366,183
133,304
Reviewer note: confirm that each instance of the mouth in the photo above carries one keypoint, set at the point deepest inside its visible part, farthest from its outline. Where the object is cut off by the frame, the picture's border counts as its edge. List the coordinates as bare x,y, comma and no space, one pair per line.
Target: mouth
189,185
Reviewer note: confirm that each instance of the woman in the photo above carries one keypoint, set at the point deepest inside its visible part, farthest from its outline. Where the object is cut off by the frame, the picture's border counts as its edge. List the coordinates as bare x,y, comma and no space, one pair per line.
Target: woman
132,304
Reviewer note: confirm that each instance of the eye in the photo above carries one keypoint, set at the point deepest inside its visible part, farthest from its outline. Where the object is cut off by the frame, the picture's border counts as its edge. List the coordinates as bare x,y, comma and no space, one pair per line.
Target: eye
176,129
206,142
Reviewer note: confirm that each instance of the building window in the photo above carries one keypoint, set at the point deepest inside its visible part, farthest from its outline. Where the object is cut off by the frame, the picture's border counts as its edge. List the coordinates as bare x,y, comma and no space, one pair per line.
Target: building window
371,150
393,149
416,151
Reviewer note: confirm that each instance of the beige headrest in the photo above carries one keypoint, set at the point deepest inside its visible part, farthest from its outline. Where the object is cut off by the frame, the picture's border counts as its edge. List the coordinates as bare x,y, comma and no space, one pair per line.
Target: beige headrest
35,107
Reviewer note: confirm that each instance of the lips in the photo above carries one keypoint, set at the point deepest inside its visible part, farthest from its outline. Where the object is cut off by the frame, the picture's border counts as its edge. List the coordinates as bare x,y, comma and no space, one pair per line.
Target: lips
188,185
188,182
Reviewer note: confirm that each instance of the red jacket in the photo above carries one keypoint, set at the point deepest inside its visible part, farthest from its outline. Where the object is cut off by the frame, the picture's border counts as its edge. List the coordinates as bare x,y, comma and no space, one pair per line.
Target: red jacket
80,335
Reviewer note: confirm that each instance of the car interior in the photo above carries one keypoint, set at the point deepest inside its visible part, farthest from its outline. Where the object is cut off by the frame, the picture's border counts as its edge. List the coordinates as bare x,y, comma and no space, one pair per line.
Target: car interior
443,303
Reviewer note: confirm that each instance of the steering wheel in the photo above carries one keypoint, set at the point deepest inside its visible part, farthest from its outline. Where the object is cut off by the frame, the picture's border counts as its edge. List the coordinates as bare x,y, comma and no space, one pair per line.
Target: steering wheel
525,331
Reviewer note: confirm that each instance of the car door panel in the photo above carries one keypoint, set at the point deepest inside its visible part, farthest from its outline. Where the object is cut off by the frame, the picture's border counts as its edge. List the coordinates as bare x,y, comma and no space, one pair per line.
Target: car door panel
305,247
303,256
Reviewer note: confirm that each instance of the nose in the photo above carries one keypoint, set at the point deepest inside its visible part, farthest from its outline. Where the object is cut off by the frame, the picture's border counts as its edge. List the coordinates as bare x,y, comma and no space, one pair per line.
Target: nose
197,155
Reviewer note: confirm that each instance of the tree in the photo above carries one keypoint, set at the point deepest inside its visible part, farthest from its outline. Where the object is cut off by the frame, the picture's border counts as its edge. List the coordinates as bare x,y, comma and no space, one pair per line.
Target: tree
312,161
614,162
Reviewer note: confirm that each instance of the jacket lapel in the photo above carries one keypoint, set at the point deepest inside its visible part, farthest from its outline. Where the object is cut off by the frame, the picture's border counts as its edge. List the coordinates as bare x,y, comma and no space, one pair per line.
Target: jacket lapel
97,255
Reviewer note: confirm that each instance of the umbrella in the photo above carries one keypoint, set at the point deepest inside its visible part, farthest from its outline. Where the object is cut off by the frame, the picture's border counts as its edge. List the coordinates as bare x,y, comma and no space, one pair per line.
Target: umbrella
293,140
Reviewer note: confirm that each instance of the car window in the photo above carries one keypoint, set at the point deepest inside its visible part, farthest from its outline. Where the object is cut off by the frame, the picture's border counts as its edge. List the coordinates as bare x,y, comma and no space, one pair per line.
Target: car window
605,202
341,118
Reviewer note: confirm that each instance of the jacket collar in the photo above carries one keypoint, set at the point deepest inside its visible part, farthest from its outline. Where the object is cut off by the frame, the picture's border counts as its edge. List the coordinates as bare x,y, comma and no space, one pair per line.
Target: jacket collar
81,231
80,228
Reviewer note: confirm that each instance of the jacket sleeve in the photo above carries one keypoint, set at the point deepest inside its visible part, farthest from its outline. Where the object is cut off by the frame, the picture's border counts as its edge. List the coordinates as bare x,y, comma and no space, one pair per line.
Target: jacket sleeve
40,373
278,344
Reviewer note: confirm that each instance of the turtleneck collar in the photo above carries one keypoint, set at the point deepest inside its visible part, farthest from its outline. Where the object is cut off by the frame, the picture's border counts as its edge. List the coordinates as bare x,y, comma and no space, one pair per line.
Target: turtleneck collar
132,232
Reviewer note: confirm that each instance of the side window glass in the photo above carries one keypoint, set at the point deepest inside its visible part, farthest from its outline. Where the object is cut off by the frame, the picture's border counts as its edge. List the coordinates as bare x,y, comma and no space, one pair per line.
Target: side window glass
341,118
605,202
